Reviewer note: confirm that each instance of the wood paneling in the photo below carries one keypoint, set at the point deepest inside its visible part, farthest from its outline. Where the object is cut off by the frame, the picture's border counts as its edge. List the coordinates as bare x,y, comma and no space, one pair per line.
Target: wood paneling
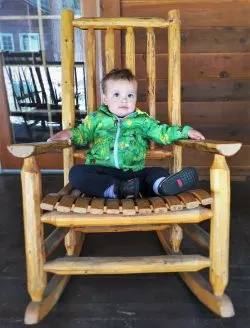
228,113
201,67
219,90
193,13
202,39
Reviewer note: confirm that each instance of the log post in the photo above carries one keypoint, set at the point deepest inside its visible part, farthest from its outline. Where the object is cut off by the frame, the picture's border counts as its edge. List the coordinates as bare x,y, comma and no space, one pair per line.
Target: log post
33,229
176,236
70,242
174,82
219,231
68,101
110,49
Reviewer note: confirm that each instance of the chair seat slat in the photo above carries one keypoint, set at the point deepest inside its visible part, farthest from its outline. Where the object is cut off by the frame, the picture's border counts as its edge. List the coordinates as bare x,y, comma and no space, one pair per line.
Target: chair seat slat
144,206
65,204
112,206
159,205
81,205
174,203
189,200
128,206
49,202
97,206
203,196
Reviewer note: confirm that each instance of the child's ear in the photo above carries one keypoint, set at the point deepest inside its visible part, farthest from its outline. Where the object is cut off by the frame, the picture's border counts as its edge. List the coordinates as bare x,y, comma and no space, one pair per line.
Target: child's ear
104,99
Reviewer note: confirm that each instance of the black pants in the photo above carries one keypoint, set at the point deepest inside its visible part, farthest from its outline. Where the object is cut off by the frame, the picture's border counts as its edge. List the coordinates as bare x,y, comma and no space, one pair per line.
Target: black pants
95,179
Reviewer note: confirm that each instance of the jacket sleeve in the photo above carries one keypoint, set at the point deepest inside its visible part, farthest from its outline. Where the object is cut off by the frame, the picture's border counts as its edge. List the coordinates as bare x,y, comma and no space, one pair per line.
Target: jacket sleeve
165,134
83,133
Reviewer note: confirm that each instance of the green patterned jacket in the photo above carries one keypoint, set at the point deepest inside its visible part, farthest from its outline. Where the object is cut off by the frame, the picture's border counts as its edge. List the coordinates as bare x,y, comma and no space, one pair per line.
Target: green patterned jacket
122,142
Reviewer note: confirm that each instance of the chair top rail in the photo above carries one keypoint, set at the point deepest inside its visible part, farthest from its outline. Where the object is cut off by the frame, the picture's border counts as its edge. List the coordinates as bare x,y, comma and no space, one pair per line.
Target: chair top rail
225,148
120,23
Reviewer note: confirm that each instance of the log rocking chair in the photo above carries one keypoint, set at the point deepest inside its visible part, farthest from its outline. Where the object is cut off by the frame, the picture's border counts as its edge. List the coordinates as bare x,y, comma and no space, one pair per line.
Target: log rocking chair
74,214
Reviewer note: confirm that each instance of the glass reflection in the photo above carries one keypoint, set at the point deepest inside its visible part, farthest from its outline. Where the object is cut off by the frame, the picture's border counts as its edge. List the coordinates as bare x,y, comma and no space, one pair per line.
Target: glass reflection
32,55
34,95
52,41
18,7
54,7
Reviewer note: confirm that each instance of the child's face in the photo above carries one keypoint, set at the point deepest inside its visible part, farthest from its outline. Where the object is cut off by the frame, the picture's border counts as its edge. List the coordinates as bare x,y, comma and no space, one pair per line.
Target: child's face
120,97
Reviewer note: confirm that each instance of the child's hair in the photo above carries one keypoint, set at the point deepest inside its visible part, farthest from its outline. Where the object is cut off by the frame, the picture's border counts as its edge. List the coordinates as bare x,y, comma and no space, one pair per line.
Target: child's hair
117,74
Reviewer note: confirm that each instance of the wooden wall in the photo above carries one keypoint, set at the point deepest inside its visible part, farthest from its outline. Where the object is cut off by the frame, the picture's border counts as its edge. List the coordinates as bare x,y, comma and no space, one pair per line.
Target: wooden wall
215,70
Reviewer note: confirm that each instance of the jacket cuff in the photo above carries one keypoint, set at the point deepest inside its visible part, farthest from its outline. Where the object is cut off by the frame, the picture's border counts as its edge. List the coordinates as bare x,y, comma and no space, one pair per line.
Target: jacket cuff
185,130
75,136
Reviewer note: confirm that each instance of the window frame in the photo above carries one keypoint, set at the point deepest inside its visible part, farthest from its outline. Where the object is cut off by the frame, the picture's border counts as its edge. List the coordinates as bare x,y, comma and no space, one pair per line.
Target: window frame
21,44
1,41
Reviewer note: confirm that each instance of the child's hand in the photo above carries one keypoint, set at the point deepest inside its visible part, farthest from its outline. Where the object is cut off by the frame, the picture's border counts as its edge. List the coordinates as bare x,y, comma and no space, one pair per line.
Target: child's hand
62,135
196,135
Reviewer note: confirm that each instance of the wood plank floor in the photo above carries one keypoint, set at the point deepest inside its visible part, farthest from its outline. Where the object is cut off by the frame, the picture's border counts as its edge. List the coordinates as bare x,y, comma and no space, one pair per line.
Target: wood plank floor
132,301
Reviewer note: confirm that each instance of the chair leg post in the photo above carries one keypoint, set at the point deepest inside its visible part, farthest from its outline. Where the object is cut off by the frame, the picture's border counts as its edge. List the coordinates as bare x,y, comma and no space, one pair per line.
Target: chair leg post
70,242
33,229
176,236
219,231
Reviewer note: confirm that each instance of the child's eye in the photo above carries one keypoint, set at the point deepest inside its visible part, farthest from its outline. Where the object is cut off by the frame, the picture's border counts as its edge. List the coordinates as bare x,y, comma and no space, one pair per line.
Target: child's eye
131,95
116,94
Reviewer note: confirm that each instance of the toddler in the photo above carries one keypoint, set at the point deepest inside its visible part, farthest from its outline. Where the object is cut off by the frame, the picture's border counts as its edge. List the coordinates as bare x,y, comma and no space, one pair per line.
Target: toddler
119,133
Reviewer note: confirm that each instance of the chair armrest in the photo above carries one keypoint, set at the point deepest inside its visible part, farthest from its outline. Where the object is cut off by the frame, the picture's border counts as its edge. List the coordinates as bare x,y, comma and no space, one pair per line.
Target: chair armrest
225,148
31,149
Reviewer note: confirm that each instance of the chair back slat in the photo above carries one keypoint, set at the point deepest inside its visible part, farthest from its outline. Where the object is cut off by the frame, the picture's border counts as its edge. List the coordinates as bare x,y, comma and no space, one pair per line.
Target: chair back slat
151,75
151,70
67,45
130,49
110,49
174,83
174,67
91,70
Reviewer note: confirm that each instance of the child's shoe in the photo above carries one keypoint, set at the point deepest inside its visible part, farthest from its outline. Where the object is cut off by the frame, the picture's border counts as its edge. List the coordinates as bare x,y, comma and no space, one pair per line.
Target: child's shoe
128,189
179,182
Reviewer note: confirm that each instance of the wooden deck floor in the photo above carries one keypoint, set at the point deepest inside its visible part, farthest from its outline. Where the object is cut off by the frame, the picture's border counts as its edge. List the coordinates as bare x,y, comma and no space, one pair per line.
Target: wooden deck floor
132,301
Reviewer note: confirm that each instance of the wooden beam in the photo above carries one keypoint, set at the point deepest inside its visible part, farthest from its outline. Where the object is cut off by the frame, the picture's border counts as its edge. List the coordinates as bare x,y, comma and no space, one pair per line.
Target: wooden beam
220,225
33,228
126,265
77,220
225,148
31,149
122,22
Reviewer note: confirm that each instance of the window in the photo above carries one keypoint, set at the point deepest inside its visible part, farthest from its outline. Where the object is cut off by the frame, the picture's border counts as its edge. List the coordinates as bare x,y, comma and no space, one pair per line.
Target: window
43,4
29,42
6,42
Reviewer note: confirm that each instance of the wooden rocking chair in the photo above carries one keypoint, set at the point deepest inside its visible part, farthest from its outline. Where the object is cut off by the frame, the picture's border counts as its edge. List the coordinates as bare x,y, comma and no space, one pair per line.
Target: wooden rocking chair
73,214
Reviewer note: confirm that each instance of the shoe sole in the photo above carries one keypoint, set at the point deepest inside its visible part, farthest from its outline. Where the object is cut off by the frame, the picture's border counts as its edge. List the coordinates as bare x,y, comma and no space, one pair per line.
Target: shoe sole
179,182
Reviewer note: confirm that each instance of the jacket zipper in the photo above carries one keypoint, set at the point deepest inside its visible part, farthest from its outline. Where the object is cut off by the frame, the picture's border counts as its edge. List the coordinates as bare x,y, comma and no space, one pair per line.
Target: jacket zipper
119,123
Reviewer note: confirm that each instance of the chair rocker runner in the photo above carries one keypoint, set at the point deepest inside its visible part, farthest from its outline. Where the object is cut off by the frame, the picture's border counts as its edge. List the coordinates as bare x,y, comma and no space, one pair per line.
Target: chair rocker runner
73,214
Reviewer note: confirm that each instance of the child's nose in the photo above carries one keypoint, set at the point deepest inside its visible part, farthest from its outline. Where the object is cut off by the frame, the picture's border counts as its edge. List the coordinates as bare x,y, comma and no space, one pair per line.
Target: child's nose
124,99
